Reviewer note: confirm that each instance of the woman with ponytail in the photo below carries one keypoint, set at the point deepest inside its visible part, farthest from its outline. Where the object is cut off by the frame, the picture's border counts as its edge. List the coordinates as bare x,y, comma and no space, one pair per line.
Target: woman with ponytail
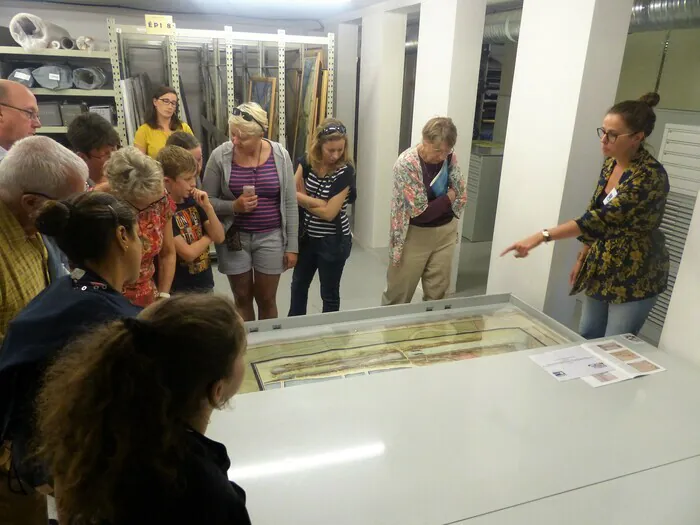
623,263
99,235
123,412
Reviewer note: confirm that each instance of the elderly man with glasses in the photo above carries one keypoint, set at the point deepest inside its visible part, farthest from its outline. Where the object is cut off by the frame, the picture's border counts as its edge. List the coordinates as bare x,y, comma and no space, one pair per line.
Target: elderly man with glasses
35,170
19,114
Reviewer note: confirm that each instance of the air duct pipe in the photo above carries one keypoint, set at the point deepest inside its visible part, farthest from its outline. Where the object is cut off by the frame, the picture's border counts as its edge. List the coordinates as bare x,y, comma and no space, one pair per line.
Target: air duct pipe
647,15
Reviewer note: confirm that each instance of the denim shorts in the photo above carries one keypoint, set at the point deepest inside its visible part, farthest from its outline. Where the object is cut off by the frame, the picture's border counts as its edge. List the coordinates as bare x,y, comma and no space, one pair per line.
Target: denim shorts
263,252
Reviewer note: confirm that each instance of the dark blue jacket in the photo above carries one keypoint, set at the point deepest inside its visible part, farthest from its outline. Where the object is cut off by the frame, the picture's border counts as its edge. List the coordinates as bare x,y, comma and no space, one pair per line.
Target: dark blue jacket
66,309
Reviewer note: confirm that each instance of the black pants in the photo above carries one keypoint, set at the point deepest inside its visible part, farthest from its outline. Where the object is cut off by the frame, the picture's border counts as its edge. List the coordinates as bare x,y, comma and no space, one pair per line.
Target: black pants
328,256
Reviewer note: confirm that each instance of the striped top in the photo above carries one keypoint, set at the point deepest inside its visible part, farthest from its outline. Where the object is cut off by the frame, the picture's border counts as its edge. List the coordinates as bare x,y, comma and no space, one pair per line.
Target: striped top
267,216
326,188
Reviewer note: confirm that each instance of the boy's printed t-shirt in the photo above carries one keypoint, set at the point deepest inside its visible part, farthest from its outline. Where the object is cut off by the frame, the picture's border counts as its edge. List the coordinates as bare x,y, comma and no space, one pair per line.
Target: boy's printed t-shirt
188,221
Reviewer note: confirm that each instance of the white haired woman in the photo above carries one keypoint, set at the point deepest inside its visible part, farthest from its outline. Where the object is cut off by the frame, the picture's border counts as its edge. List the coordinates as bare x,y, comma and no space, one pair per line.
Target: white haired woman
250,181
138,180
429,194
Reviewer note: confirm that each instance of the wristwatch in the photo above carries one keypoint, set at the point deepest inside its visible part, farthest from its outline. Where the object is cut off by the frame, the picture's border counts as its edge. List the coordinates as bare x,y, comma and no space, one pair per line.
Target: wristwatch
547,236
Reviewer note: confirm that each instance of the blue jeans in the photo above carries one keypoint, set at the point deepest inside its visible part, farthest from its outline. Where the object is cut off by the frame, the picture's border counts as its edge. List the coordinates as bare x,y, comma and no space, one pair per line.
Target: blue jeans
601,319
328,256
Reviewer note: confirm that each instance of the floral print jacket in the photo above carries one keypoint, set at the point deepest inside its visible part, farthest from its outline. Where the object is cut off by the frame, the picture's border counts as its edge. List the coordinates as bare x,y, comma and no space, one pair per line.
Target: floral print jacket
628,260
410,197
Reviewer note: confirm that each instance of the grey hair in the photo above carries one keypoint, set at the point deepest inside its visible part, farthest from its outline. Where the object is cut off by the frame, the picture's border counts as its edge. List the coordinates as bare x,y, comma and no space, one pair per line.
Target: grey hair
133,175
39,164
246,128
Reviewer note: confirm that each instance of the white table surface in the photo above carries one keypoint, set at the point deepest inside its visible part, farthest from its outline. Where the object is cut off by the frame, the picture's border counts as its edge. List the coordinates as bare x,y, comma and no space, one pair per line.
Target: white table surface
664,495
449,442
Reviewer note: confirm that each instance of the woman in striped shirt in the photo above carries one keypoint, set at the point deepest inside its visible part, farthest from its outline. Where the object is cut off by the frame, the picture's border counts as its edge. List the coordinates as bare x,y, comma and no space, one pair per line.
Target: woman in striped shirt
325,181
250,182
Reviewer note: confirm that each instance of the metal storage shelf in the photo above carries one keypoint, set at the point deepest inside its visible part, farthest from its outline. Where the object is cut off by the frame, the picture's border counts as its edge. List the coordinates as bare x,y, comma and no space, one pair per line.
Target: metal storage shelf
45,130
75,92
12,50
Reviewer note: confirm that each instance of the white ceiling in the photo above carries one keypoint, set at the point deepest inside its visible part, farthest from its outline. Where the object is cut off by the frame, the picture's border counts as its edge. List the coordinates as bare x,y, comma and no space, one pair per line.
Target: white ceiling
267,9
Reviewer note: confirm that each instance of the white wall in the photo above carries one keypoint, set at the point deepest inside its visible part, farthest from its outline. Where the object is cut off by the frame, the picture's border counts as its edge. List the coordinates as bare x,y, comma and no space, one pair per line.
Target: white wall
381,83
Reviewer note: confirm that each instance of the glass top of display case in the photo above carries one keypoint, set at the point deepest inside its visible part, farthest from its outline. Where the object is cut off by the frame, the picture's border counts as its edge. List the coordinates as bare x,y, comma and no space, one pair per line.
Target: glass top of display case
291,352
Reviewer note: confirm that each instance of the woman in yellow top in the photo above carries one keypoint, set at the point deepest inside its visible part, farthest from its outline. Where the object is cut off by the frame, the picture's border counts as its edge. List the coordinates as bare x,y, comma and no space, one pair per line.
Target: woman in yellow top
151,137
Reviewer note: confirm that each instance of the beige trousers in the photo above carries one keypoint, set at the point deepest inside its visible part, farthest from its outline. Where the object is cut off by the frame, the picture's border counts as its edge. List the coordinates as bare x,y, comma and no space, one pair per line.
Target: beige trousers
427,256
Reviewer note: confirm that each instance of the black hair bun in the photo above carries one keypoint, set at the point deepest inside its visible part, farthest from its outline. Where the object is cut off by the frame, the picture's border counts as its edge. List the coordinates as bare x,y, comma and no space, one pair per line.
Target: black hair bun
53,218
650,99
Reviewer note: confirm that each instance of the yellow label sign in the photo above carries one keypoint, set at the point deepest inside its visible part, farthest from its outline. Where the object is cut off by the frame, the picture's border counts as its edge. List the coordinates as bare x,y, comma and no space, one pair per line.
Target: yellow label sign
160,25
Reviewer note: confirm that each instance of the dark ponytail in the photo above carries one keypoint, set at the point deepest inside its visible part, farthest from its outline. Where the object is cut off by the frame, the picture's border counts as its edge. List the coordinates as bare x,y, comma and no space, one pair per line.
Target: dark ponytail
84,225
115,404
638,114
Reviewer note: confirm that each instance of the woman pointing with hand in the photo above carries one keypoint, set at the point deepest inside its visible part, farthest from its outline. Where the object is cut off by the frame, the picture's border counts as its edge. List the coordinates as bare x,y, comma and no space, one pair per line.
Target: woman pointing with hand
623,264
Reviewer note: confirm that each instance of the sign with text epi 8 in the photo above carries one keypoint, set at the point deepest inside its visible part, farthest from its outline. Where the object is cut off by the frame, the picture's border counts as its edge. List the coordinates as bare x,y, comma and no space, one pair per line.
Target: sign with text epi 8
160,25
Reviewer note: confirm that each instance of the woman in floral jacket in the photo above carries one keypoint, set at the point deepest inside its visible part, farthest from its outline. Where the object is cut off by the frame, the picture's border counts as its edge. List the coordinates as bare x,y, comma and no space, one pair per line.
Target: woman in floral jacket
429,194
623,264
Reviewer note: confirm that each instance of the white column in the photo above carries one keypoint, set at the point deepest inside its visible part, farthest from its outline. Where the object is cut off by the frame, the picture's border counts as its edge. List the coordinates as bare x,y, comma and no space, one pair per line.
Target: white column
566,74
346,76
447,73
379,122
681,330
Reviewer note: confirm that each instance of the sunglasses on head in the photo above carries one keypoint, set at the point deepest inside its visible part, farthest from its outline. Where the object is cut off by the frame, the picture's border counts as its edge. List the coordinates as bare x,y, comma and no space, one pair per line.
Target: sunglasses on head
246,116
333,128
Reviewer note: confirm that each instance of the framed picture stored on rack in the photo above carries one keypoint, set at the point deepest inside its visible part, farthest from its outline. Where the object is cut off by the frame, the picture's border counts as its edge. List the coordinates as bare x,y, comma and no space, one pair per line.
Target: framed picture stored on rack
263,90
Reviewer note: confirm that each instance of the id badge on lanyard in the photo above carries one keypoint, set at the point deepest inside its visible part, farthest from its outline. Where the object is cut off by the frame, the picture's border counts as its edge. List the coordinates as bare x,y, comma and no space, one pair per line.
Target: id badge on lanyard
610,197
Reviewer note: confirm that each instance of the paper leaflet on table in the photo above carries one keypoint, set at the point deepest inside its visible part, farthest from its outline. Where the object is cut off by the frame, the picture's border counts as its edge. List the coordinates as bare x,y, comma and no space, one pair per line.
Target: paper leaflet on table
571,363
626,364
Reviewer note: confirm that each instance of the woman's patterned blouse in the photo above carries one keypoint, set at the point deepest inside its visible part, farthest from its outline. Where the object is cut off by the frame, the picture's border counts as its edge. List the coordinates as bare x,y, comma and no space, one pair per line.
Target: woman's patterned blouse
628,260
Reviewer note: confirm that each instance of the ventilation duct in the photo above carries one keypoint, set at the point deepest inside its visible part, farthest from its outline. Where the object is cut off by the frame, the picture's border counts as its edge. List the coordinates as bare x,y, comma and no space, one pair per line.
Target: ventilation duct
647,15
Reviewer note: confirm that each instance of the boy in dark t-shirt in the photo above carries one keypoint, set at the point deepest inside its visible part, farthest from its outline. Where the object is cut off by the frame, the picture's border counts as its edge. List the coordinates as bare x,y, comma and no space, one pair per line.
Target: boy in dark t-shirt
195,225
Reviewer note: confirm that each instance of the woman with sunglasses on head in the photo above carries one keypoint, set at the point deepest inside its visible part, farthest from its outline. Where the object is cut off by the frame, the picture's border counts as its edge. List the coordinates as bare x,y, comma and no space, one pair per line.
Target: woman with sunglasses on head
123,413
623,264
325,180
429,193
250,181
151,137
99,234
138,180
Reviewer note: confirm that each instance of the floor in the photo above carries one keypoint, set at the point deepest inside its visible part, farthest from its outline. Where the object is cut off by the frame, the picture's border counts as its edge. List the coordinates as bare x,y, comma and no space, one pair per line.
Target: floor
368,267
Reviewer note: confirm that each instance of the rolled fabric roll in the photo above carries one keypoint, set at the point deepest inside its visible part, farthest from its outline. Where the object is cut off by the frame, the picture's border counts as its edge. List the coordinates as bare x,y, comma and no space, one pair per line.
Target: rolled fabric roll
23,76
31,32
55,45
67,43
89,78
85,43
54,77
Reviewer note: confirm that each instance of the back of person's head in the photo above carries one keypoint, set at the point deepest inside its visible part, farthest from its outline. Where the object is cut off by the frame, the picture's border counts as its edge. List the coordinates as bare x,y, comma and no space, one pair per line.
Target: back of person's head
87,226
639,115
40,165
183,139
89,132
176,162
133,175
252,122
330,130
115,406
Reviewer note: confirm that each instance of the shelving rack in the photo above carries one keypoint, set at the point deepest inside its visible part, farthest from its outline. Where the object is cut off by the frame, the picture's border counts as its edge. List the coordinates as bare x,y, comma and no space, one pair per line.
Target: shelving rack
225,40
487,95
18,54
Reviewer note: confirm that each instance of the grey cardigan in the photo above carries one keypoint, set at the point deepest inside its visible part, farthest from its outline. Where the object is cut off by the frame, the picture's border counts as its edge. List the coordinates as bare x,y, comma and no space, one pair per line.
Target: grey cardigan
216,183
